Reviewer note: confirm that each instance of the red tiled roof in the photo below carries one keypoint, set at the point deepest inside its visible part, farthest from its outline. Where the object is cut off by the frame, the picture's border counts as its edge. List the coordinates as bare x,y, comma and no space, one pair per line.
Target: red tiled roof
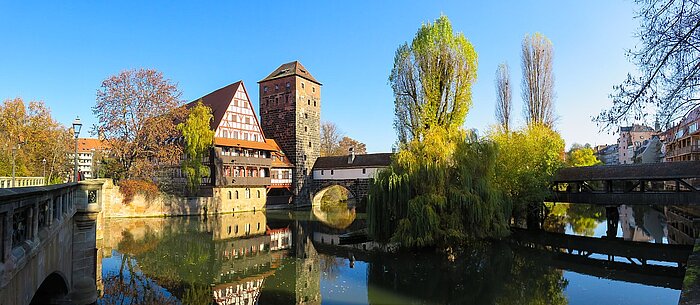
218,101
90,144
278,151
289,69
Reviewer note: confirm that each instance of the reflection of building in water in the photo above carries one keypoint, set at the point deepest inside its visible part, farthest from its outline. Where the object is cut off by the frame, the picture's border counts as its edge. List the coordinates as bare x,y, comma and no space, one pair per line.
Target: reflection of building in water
239,253
242,293
279,238
239,225
642,224
682,224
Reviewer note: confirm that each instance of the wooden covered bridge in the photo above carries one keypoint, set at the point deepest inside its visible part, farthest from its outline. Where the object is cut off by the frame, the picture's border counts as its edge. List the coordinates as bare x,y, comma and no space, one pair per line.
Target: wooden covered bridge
670,183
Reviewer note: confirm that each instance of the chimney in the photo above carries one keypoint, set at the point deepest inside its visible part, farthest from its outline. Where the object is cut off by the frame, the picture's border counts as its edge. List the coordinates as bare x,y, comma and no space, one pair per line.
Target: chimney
351,157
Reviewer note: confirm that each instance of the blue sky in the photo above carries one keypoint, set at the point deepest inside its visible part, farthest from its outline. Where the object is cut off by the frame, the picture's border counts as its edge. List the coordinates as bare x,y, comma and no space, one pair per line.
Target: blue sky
59,52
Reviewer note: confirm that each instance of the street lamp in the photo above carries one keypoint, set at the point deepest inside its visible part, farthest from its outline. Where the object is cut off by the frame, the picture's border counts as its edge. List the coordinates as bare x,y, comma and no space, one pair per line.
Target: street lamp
43,162
76,131
14,153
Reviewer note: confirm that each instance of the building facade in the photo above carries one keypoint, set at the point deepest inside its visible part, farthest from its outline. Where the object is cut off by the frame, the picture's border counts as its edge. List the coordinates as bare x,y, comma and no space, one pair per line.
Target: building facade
89,150
240,161
682,142
608,154
630,140
290,111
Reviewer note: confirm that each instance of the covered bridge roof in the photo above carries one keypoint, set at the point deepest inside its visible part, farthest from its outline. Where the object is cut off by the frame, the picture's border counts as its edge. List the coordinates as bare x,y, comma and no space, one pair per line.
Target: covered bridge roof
368,160
651,171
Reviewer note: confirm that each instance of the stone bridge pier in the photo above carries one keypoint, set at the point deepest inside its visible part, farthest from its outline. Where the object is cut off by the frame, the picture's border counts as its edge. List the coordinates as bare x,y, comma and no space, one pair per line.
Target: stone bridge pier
48,245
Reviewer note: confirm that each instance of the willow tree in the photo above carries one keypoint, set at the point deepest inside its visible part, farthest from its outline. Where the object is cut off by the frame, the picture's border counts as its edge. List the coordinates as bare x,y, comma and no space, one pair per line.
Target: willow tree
198,139
432,79
538,79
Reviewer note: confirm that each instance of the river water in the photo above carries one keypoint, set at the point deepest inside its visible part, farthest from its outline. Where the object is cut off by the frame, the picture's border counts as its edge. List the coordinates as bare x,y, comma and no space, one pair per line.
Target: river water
280,257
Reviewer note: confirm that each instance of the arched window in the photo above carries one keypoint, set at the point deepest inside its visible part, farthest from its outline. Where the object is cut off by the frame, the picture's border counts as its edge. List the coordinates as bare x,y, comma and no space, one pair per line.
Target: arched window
247,193
229,230
229,194
236,194
236,229
258,197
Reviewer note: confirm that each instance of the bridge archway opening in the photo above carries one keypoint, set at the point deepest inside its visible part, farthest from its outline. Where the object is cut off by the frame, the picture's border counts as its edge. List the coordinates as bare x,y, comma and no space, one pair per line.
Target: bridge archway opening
334,206
53,290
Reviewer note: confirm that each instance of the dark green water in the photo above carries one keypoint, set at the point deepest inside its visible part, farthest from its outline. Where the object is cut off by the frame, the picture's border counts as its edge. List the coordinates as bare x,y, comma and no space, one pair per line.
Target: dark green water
293,258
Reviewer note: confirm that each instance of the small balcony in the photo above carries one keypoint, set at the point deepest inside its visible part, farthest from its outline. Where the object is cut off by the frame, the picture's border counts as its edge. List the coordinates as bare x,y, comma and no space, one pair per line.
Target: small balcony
246,161
683,150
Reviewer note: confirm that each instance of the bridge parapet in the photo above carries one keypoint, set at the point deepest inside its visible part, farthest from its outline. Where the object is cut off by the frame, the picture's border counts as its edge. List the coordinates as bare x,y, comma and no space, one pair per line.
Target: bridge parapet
47,247
6,182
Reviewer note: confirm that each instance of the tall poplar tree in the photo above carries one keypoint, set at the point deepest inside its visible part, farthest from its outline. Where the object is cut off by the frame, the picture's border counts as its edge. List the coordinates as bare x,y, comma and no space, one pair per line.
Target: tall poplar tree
538,80
431,80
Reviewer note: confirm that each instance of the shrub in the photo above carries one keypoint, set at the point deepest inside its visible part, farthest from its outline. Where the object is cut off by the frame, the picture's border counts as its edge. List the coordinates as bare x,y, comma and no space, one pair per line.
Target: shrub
129,189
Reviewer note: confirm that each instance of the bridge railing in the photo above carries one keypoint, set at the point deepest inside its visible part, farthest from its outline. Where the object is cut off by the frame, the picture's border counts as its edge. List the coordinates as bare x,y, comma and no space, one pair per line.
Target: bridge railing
27,214
6,182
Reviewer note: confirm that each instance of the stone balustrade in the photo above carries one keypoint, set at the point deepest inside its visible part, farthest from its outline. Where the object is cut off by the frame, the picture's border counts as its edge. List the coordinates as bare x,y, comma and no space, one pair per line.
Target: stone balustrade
6,182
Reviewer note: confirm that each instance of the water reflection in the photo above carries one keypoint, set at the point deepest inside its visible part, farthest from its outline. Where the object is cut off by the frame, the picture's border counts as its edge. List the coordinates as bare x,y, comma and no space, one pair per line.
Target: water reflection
294,258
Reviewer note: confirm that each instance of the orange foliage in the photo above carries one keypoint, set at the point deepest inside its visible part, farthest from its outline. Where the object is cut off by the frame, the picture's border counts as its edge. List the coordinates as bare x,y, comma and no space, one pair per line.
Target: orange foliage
129,189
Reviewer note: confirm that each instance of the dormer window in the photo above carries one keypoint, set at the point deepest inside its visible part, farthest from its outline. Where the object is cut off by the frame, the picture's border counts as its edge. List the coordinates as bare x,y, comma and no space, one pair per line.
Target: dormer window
265,89
277,87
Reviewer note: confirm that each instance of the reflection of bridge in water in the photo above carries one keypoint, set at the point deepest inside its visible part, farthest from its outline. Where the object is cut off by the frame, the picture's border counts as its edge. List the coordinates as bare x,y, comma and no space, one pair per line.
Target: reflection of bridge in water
578,254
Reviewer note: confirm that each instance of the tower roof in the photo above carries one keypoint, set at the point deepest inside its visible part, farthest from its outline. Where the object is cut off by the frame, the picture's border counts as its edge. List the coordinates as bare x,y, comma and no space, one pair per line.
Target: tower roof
289,69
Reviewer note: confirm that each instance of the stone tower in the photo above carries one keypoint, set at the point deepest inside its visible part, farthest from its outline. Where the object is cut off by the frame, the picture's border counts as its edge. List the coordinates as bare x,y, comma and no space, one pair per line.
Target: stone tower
290,113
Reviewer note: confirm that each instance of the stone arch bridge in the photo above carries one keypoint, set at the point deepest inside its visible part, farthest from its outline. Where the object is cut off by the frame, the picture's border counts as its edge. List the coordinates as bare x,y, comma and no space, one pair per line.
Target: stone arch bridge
353,172
48,245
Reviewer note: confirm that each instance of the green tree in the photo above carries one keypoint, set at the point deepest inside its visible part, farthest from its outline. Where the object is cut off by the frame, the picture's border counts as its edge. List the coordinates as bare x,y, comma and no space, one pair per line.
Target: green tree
438,192
431,80
581,156
526,163
198,139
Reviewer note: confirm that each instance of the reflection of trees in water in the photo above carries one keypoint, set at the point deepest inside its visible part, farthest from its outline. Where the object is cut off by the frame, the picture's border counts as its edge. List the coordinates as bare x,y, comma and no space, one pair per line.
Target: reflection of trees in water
583,218
181,260
136,289
330,266
486,273
336,208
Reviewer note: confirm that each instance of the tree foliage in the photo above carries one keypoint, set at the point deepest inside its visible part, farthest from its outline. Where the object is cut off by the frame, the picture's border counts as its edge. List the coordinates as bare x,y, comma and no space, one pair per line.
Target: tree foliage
668,61
526,163
431,80
538,79
504,96
136,111
334,143
198,139
33,135
438,192
580,155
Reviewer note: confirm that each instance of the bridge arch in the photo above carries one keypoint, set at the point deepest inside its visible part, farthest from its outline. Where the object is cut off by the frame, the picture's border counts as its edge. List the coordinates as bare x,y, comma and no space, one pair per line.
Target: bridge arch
317,196
53,290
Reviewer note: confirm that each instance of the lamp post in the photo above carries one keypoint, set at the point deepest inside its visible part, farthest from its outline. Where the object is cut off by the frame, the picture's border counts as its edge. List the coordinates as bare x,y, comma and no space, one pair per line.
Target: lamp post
14,152
76,131
43,162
